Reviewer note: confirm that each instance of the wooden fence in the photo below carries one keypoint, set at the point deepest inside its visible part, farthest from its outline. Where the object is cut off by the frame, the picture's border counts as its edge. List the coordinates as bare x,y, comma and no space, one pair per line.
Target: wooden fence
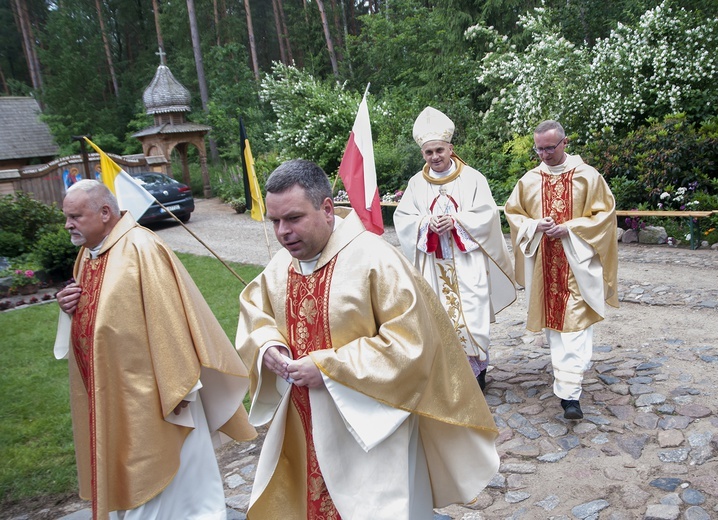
48,182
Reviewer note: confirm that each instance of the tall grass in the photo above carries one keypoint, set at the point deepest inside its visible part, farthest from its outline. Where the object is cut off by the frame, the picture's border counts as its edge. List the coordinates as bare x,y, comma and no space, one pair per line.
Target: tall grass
36,448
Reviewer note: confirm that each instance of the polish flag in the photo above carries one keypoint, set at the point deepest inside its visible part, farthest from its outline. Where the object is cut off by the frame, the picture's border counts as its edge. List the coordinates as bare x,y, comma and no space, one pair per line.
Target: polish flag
358,172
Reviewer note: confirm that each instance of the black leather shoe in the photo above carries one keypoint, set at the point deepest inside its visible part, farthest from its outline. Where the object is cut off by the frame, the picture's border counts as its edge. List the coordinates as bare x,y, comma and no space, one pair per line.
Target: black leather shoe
481,378
571,409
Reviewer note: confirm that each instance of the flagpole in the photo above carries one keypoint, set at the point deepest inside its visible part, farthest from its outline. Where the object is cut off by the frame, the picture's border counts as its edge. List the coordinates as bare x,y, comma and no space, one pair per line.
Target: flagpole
149,199
202,242
264,221
266,238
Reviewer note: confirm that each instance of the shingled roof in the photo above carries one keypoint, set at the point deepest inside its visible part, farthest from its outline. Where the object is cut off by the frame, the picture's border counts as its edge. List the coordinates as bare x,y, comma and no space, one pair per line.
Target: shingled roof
165,94
22,134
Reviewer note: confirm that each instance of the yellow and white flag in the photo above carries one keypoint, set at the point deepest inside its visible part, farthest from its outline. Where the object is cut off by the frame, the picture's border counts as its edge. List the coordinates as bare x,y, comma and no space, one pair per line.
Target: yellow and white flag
130,195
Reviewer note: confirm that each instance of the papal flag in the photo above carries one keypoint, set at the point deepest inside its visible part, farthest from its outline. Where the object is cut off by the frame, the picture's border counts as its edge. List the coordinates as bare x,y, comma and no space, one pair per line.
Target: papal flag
358,172
130,195
252,192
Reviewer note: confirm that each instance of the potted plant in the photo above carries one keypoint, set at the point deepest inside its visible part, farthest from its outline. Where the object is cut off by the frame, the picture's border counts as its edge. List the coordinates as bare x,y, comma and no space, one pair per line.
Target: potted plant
24,281
238,205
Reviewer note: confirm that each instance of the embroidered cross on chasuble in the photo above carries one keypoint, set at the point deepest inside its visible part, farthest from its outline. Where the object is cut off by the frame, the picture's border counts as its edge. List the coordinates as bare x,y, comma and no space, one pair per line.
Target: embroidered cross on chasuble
308,330
557,199
83,346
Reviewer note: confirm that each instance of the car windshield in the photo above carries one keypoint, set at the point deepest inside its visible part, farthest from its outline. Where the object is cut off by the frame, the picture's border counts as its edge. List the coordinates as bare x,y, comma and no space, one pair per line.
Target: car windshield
149,179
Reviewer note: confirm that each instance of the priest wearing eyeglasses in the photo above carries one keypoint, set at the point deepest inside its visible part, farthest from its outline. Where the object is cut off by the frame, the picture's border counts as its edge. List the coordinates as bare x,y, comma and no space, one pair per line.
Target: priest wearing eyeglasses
563,229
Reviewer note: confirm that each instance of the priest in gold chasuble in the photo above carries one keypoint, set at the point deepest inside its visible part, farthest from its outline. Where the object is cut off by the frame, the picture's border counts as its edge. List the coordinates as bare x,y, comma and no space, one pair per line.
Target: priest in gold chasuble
374,412
153,377
563,229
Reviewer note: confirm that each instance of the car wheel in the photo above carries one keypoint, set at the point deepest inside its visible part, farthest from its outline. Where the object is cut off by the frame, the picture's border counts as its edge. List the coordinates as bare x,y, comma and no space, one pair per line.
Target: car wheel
185,218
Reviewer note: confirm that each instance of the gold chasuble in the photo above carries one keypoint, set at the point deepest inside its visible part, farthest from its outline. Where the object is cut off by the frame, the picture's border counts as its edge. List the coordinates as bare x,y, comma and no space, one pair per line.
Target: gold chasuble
308,324
372,325
580,199
141,338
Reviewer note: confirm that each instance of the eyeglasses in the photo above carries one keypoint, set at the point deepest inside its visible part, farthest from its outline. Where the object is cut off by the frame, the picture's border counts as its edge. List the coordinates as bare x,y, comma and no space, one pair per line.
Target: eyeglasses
548,149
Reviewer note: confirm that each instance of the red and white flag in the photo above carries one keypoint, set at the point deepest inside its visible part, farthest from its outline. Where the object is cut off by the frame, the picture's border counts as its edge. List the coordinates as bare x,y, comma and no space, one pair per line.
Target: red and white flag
358,172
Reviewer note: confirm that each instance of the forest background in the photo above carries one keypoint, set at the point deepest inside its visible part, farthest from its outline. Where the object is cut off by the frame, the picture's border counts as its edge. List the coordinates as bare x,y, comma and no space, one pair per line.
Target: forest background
634,82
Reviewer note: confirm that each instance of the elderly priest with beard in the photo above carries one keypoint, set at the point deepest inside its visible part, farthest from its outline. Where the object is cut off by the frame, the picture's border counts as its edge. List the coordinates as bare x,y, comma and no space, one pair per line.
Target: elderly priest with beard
153,377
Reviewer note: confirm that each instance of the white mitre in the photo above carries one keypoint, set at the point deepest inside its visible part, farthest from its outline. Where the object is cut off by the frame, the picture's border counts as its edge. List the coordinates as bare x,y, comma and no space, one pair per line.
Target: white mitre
432,125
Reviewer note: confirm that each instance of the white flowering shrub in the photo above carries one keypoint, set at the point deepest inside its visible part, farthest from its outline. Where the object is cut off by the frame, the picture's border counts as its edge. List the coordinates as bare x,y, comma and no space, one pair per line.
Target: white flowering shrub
541,82
314,118
665,64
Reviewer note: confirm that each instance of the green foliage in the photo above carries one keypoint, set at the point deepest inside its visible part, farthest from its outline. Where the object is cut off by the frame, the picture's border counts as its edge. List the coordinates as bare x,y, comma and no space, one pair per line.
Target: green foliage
234,93
502,165
626,191
22,215
227,183
665,165
238,205
11,244
396,162
140,121
55,253
66,36
711,233
496,68
33,229
415,56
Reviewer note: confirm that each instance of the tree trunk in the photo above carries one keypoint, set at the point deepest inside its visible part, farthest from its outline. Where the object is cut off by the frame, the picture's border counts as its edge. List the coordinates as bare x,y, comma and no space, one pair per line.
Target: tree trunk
5,88
108,53
328,38
33,50
280,36
204,95
346,38
216,21
158,30
285,31
337,26
252,43
23,22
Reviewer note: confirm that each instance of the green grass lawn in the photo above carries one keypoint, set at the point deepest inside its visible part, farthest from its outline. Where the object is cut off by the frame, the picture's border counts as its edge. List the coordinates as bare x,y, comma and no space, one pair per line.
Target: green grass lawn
36,446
